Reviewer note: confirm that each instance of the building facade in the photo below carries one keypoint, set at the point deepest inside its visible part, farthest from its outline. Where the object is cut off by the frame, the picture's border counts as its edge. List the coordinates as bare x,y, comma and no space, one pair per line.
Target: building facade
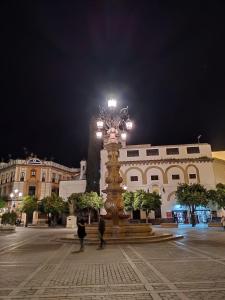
161,169
35,177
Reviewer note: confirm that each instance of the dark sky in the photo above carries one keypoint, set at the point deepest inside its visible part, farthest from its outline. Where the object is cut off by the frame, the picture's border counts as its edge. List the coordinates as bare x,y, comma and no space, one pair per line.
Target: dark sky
60,60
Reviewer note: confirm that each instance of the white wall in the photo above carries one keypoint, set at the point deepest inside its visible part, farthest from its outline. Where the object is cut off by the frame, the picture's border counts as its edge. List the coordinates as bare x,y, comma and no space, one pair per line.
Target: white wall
66,188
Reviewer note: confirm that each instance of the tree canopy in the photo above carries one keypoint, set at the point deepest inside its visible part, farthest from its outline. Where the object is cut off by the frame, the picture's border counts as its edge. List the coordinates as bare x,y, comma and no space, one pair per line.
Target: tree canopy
147,201
28,205
3,202
89,201
53,204
192,195
218,196
128,200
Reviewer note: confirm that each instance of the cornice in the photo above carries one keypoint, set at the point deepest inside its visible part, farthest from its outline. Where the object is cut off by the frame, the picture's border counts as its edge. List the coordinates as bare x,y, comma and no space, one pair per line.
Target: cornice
166,161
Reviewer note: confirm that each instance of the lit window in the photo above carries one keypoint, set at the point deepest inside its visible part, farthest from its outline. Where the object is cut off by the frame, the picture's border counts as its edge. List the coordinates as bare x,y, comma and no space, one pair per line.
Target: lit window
175,176
32,173
133,178
154,177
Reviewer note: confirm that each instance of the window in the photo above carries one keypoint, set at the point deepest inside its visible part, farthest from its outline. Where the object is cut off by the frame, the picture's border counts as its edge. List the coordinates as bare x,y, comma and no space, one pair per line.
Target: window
171,151
175,177
31,191
154,177
43,177
22,175
32,173
133,178
192,176
192,150
53,177
131,153
152,152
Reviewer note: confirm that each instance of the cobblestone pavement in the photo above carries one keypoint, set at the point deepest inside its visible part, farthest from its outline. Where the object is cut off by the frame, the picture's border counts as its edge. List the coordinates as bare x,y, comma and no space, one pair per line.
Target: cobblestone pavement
34,264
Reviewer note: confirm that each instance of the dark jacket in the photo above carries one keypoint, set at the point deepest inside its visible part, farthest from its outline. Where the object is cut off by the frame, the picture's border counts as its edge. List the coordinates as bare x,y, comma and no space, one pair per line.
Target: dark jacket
101,226
81,229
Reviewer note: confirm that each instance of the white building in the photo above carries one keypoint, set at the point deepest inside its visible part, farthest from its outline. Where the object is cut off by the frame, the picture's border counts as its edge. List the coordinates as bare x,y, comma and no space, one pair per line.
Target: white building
78,185
162,168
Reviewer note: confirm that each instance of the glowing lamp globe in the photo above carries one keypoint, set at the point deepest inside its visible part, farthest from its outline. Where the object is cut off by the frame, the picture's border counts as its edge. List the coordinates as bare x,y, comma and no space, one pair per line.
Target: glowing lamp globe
99,134
123,136
112,103
11,195
129,124
100,124
20,194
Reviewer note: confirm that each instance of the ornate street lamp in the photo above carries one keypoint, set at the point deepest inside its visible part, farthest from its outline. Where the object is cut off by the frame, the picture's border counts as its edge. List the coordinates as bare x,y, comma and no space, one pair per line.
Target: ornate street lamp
15,196
112,126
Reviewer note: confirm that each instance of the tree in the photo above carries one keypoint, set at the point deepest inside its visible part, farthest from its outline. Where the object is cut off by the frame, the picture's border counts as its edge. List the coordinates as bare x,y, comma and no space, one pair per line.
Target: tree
218,196
53,205
128,200
90,201
74,202
3,201
28,206
192,196
9,218
147,201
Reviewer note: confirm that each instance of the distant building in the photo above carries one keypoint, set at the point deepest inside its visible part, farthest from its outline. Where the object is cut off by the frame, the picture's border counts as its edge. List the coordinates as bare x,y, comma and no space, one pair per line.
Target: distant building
162,168
34,177
78,185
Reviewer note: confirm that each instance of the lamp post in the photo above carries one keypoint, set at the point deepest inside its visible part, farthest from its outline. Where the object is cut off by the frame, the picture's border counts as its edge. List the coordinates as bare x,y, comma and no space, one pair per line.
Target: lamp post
15,196
113,125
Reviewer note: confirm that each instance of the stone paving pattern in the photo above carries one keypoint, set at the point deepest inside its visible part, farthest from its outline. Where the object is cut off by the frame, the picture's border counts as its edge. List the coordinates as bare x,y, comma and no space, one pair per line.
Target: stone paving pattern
34,264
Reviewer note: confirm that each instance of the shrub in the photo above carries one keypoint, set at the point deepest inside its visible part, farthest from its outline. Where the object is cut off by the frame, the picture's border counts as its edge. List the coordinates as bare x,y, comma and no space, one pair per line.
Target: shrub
9,218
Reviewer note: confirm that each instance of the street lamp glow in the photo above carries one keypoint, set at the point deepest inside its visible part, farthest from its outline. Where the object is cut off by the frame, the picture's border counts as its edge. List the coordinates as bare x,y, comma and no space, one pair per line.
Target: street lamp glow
11,195
100,124
16,191
112,103
123,136
125,187
129,124
20,194
99,134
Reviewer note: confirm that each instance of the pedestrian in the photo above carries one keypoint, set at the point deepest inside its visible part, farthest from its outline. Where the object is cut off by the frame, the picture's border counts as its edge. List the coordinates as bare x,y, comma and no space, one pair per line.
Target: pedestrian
81,233
101,231
223,222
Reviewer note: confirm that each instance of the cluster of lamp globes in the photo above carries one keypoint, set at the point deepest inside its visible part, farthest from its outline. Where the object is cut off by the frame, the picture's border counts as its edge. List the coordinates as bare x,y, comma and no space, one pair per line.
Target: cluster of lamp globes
16,194
112,103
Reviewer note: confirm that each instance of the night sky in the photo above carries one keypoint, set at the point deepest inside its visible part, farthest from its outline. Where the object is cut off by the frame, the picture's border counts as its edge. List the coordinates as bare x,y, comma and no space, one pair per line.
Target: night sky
61,59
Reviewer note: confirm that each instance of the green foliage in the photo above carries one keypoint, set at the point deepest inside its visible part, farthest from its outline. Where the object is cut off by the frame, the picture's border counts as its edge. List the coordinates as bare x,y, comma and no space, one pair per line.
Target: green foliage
218,196
192,195
3,202
74,202
53,204
128,200
9,218
146,201
90,200
28,205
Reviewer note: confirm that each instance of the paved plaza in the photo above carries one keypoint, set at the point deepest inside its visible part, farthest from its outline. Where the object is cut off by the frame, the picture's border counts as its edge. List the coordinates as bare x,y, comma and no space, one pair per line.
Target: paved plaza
36,264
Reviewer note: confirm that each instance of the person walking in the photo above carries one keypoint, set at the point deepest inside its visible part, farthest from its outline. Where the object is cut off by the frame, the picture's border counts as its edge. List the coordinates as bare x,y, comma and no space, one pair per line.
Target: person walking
101,231
223,222
81,233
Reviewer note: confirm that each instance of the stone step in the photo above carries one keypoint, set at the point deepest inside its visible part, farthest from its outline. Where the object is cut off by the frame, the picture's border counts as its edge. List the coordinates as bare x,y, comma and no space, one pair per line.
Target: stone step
125,240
